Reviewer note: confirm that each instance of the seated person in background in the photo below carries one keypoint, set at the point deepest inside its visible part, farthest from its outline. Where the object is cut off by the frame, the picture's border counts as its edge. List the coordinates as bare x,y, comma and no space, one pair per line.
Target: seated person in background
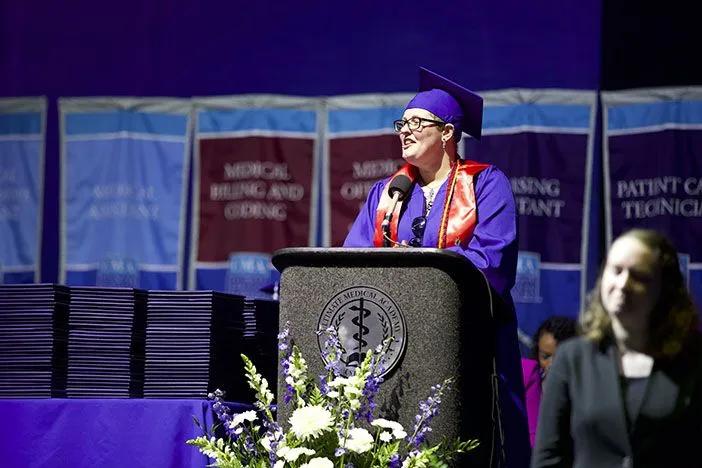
552,331
460,205
550,334
628,392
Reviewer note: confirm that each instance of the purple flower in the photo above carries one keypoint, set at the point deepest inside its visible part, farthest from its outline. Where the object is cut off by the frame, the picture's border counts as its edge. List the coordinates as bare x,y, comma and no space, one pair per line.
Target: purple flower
250,446
323,386
427,410
284,338
331,351
289,390
394,461
370,390
275,436
222,412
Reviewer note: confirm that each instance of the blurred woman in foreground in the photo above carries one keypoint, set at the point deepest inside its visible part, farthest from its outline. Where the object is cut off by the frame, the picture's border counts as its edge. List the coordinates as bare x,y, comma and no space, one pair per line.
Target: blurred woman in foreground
629,391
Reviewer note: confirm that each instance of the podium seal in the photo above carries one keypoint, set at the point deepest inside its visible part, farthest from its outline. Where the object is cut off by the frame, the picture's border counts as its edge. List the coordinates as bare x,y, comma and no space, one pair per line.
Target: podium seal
363,318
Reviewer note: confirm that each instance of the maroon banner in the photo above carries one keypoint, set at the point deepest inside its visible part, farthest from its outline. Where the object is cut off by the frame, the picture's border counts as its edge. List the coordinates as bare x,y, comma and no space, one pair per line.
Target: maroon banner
355,164
255,195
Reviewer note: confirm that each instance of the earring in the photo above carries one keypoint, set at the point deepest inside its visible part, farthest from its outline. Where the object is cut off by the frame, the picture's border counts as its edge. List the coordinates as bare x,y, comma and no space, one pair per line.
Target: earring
443,144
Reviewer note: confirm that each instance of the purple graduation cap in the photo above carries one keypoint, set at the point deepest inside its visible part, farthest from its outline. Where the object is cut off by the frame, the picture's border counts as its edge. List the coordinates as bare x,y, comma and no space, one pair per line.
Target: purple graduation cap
449,101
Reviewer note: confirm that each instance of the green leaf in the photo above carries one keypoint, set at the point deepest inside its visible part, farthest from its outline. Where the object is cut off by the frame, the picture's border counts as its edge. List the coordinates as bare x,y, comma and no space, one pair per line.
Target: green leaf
316,398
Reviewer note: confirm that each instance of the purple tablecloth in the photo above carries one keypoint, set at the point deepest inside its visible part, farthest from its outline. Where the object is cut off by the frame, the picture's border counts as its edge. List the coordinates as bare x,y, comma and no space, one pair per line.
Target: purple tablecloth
111,433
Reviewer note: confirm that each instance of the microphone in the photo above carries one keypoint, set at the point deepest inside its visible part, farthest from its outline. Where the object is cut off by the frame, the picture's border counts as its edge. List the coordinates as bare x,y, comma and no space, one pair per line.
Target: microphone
399,186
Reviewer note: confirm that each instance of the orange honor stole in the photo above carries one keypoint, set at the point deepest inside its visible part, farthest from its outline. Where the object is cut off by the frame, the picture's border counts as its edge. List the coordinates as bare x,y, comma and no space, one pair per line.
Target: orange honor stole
459,216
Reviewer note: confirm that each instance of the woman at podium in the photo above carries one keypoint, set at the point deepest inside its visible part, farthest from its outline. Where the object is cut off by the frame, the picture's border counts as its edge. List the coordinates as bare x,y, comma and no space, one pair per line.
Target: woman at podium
439,199
449,202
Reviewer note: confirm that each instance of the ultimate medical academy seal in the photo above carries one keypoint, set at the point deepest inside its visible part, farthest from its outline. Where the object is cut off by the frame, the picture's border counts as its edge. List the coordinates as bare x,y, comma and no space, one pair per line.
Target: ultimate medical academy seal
363,318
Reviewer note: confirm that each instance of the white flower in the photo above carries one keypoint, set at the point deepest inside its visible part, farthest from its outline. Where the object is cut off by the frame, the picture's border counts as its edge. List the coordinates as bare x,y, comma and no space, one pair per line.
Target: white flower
385,436
397,430
384,423
266,440
409,460
266,443
318,463
355,380
292,454
282,450
351,390
333,394
298,368
279,464
310,421
241,417
338,381
358,440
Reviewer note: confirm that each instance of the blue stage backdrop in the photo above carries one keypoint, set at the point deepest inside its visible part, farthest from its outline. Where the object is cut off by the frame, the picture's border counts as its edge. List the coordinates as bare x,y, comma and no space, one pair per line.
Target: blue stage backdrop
22,135
255,187
543,141
653,169
124,167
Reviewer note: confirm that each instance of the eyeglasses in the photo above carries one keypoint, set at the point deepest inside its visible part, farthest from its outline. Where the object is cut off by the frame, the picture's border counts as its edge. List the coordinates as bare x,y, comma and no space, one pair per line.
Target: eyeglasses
418,225
414,123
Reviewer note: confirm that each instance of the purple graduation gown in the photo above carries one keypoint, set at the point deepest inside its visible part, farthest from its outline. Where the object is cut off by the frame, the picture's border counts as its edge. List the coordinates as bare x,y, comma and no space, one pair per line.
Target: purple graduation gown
492,249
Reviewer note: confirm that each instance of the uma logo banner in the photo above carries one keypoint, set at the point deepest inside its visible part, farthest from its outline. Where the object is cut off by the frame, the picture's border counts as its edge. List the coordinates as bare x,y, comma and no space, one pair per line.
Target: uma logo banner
528,285
249,272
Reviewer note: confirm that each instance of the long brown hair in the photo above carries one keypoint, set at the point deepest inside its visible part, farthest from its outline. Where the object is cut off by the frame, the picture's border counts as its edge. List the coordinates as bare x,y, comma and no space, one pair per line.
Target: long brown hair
672,318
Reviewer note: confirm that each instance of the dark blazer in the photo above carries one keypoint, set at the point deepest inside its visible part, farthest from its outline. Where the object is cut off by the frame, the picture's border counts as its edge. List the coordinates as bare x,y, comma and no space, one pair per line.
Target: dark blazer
582,421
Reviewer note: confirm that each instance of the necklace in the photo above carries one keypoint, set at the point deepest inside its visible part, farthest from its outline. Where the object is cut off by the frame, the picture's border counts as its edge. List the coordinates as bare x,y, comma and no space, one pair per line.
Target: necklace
430,190
429,196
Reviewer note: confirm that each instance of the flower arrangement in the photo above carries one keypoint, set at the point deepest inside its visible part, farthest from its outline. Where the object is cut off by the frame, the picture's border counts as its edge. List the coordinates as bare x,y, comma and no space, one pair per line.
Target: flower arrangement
332,424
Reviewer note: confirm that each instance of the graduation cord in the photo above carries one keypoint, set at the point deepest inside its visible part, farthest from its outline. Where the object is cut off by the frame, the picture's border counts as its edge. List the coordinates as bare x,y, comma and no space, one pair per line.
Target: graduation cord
394,243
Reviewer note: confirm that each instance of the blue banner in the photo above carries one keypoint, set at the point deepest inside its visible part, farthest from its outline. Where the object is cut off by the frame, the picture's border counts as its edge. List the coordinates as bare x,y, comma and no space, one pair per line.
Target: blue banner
543,141
255,188
653,169
124,167
22,135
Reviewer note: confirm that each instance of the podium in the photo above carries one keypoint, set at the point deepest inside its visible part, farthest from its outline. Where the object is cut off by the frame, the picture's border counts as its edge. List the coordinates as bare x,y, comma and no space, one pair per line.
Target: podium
436,305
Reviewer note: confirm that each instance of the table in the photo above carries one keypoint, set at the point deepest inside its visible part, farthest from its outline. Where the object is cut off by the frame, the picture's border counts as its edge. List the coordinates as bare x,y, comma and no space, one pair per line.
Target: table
105,433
